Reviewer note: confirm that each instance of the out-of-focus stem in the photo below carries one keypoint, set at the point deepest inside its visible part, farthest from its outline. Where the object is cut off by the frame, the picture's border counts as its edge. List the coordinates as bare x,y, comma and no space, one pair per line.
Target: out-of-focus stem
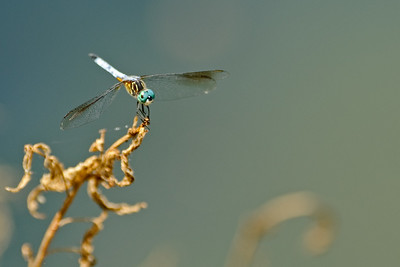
54,225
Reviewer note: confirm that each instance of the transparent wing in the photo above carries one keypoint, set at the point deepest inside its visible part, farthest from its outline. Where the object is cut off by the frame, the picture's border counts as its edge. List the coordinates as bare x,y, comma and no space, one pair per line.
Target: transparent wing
175,86
90,110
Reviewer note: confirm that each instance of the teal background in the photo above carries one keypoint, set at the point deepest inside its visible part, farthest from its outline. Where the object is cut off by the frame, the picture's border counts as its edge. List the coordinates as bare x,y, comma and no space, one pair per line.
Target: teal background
311,103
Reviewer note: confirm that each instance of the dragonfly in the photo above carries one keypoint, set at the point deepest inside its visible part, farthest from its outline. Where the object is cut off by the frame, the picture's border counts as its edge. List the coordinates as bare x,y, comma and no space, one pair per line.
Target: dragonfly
145,89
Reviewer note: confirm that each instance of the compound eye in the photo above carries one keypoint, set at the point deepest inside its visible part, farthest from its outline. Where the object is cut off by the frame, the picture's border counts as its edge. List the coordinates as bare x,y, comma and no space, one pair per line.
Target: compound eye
146,96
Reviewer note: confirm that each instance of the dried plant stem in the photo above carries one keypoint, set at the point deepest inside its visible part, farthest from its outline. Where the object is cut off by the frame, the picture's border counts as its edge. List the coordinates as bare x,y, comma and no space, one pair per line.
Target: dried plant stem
54,225
275,212
96,171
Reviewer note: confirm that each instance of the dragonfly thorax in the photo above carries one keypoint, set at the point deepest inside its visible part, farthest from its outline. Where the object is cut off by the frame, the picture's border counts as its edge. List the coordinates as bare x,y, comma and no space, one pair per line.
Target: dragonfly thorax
133,86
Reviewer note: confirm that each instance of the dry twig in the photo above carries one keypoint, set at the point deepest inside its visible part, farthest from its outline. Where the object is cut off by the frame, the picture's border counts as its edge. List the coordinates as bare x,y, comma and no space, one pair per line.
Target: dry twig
266,218
95,170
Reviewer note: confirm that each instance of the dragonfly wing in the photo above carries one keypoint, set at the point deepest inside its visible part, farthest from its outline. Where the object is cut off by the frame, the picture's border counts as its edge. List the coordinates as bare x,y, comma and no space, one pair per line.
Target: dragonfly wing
175,86
90,110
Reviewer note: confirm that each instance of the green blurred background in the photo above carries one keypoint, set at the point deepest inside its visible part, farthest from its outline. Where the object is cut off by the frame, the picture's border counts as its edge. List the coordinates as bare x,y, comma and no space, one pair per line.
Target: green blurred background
312,103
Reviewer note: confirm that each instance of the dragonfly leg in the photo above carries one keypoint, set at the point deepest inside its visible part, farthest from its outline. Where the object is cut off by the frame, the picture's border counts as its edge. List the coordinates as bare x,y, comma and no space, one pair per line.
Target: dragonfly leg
148,113
143,115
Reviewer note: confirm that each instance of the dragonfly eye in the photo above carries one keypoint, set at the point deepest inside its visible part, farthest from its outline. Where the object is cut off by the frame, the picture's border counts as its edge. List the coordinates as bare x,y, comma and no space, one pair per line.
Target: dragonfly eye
146,96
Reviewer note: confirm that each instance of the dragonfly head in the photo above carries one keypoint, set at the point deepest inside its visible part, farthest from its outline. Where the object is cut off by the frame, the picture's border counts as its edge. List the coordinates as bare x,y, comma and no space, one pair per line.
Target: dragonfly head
146,97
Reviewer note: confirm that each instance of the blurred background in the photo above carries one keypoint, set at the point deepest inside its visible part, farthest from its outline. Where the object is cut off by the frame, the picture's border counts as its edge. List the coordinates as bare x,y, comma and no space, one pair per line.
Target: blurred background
311,103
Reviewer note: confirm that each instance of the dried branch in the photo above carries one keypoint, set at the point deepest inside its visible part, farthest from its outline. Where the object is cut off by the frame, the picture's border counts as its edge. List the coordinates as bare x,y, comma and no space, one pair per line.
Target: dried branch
266,218
95,170
87,248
